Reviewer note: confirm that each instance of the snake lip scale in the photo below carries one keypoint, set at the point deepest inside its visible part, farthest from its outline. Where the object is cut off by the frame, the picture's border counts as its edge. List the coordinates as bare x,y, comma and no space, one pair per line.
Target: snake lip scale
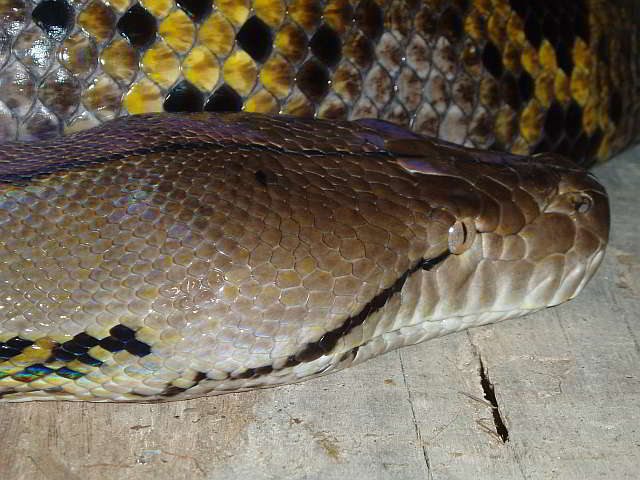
164,257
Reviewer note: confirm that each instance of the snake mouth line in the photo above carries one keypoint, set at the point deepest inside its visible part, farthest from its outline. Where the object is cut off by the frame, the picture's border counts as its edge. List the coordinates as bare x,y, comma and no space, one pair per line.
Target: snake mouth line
350,354
314,350
328,341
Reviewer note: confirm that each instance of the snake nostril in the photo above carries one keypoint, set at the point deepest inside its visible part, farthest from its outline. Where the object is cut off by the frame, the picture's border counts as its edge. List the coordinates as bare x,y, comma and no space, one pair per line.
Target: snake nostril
461,236
582,202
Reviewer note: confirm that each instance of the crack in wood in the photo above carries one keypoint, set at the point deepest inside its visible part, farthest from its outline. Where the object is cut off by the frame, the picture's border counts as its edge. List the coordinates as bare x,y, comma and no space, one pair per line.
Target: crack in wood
490,396
421,444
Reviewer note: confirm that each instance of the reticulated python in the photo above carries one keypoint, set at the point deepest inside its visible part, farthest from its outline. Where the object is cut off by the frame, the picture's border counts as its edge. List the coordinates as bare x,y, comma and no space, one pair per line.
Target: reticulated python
165,257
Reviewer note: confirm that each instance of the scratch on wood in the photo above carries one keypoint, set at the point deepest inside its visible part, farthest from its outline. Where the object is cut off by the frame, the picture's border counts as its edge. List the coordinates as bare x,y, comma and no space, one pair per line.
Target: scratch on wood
139,427
476,399
415,421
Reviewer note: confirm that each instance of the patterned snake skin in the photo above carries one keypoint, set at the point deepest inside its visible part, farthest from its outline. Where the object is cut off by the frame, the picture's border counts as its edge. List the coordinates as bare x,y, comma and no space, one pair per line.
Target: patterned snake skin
169,256
524,76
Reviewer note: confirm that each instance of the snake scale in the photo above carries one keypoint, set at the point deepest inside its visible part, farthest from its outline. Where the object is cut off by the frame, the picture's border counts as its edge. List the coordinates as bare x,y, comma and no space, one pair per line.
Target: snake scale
167,256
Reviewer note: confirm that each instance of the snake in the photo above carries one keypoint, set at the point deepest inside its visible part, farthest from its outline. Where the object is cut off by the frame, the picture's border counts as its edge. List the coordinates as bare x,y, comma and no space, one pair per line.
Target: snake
415,184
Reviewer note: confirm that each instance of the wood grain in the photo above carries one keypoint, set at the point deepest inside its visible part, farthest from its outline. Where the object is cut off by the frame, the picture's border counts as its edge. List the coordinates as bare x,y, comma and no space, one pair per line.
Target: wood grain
566,384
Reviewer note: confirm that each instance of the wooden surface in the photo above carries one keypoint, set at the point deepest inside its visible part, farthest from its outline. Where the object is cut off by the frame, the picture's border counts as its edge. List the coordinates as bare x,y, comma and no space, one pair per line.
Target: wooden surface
566,382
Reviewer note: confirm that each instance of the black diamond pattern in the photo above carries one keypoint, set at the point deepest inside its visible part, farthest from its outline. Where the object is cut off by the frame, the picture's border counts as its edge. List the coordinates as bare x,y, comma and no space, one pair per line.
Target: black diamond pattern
603,48
121,338
136,347
594,143
184,97
533,31
543,146
554,122
61,355
138,26
573,120
582,25
526,86
19,343
8,352
615,107
111,344
85,340
326,46
564,147
563,57
196,9
74,348
122,333
124,338
568,31
451,24
370,19
89,360
68,373
492,60
510,91
521,7
256,39
225,99
550,29
54,17
313,80
31,373
580,147
38,369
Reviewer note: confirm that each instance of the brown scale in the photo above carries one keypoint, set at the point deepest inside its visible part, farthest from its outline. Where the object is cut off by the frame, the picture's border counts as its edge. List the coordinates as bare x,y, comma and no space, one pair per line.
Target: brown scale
560,76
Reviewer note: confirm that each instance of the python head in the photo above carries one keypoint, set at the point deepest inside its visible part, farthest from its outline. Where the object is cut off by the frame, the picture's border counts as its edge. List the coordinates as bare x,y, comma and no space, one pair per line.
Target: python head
254,251
522,233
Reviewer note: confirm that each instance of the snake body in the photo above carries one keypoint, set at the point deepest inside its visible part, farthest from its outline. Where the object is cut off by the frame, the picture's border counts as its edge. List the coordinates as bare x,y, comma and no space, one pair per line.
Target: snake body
170,256
524,76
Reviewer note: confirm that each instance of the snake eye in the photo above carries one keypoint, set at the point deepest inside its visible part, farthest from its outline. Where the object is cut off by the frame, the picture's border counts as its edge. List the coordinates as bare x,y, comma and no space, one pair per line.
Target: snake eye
582,202
461,236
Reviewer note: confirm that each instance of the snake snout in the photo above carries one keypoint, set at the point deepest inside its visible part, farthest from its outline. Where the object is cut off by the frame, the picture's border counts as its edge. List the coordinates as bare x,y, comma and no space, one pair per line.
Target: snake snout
586,201
578,216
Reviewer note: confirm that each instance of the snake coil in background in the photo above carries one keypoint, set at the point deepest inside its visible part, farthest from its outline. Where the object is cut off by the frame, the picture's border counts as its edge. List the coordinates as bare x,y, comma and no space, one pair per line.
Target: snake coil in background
515,75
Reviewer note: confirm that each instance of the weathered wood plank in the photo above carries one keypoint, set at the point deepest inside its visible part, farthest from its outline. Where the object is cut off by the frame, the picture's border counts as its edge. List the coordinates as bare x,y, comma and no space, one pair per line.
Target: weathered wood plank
566,383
